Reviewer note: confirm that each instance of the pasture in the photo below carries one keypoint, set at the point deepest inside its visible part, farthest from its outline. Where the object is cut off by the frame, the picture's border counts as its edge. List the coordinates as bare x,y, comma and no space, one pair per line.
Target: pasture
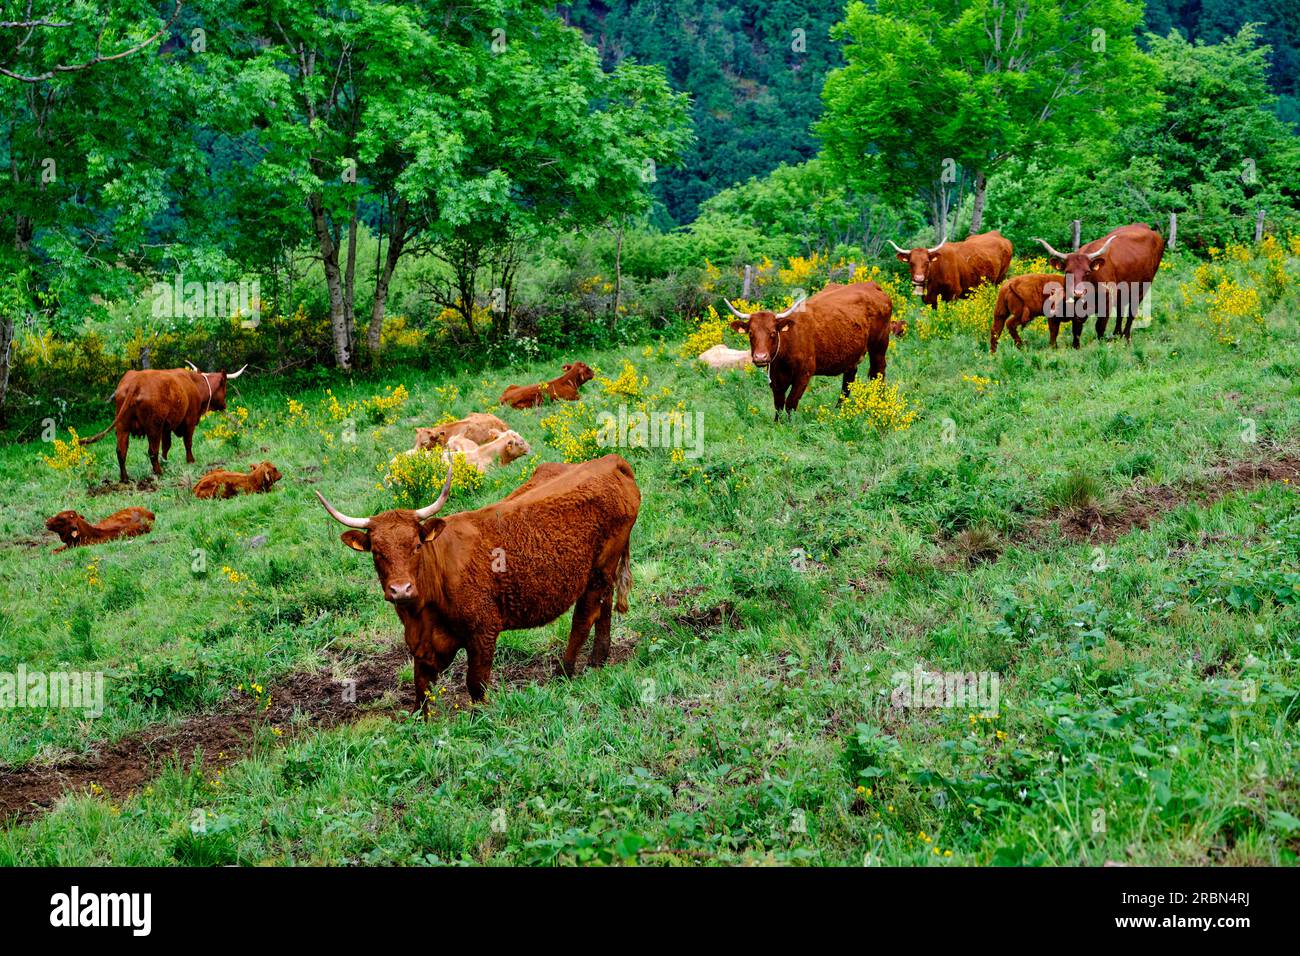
1111,533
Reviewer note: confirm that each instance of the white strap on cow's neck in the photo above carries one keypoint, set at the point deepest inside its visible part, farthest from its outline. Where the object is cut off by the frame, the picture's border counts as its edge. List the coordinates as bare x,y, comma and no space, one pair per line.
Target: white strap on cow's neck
775,353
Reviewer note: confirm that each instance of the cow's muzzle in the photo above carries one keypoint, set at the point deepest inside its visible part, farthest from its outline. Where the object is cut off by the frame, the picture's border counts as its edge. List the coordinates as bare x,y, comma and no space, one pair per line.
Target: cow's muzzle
403,593
762,360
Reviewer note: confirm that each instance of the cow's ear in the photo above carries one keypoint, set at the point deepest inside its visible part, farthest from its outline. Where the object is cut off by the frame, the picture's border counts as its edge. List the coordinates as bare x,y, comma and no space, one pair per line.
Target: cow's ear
75,533
1096,264
431,529
1057,263
356,540
901,256
567,367
785,324
740,325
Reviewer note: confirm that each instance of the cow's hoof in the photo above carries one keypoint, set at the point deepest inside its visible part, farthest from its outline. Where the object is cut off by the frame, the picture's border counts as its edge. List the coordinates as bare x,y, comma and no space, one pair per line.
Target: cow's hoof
564,669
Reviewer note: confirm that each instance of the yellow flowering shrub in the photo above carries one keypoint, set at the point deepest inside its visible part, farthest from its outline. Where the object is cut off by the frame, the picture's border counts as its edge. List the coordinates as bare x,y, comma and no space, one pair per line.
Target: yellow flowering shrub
710,330
298,414
628,384
71,456
230,427
571,430
881,406
415,477
387,408
982,384
338,411
971,315
800,269
398,331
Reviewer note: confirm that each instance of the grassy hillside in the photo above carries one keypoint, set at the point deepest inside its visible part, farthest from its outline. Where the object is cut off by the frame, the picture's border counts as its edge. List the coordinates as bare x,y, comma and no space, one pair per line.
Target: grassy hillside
1111,532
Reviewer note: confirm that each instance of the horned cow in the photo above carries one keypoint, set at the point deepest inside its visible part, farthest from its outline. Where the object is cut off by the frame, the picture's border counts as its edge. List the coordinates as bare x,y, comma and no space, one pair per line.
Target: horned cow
1113,272
159,403
953,270
562,540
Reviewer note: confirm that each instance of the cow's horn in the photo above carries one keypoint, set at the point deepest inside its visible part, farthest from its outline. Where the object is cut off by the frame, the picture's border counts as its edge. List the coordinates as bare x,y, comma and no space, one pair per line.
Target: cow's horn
1102,250
896,246
736,312
1059,255
231,378
433,509
193,366
793,309
938,247
341,518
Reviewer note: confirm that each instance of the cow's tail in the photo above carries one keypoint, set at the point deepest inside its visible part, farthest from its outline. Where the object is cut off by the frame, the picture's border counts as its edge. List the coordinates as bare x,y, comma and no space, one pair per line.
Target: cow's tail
94,438
623,578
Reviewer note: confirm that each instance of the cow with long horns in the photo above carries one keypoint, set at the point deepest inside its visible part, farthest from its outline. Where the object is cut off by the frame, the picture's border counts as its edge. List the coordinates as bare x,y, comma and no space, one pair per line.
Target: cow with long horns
953,270
561,540
1110,274
826,334
159,403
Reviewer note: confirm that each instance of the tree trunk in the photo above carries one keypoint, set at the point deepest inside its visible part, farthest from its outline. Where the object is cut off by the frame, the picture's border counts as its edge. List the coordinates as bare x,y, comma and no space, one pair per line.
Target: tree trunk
6,347
384,276
618,275
333,282
350,278
977,212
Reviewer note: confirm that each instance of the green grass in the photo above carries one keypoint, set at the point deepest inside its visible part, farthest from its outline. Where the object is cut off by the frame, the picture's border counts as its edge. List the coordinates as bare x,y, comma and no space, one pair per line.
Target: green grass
756,698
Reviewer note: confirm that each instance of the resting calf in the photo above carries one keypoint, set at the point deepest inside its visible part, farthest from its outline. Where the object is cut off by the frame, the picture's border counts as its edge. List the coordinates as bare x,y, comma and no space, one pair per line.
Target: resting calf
76,531
503,449
227,484
563,386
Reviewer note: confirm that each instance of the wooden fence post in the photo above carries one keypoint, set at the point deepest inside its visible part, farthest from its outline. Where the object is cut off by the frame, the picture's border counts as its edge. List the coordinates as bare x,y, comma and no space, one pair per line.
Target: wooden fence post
1173,229
749,281
1075,228
1259,226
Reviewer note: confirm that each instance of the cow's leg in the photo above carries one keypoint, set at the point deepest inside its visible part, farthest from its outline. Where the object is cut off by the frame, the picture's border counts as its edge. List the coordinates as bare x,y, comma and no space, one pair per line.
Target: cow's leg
995,333
796,393
600,646
166,445
1053,330
123,443
585,613
155,439
779,385
481,649
1014,326
876,355
188,436
1076,329
426,674
849,377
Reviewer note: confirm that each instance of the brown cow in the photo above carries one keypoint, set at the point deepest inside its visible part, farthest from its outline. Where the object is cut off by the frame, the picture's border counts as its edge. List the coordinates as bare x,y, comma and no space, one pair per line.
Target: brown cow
227,484
507,447
158,403
478,427
1022,299
75,531
564,386
561,540
1114,271
953,270
826,334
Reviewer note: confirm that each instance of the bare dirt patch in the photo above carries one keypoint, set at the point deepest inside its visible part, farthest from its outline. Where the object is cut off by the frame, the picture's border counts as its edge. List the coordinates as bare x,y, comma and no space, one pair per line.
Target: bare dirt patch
323,699
1142,506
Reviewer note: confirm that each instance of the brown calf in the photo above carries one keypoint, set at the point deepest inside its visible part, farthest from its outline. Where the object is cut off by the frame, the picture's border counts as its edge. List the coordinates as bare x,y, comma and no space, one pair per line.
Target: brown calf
227,484
76,531
478,427
564,386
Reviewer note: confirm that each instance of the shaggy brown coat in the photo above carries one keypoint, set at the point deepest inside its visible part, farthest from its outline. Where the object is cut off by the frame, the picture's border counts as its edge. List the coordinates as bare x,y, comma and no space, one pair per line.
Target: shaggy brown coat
1022,299
159,403
827,336
955,269
564,386
561,540
478,427
227,484
75,531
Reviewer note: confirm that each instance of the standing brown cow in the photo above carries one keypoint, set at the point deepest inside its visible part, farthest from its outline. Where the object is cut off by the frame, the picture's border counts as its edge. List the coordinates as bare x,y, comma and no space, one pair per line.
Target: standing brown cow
1114,271
561,540
1022,299
953,270
826,334
158,403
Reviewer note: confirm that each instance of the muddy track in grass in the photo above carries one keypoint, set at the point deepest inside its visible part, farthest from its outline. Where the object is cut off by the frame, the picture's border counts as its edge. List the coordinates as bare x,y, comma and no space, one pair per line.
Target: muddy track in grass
226,735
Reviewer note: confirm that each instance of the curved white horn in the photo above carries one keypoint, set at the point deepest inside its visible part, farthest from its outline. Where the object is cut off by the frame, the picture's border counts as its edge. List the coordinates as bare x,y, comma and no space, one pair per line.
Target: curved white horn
793,309
341,518
736,312
231,378
433,509
1059,255
897,247
1102,250
193,366
938,247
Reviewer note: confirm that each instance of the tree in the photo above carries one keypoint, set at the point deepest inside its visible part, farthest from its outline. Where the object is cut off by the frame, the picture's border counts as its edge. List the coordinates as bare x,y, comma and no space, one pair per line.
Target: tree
937,94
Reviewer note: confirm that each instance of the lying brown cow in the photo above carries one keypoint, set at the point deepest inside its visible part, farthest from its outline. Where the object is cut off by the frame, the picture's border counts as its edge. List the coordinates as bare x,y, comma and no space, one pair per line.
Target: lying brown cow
560,540
156,404
507,447
1111,273
564,386
953,270
478,427
75,531
1022,299
826,334
227,484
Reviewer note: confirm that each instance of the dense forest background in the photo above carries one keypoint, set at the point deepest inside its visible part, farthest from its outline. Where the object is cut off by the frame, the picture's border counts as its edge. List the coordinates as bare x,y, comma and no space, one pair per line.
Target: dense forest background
755,97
